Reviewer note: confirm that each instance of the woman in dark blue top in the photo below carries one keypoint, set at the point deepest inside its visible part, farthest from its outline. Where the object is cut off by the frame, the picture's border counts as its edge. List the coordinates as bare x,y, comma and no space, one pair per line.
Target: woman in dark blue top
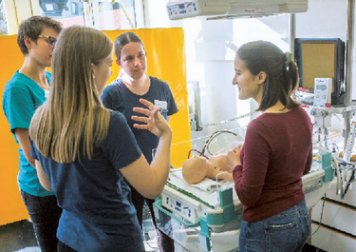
124,93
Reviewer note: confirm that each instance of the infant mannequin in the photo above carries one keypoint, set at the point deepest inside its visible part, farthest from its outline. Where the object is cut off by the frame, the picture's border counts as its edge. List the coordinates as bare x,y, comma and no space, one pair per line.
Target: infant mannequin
352,159
196,168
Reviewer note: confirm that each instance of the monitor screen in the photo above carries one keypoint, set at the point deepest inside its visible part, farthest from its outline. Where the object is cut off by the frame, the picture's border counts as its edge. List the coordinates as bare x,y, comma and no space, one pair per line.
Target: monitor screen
321,58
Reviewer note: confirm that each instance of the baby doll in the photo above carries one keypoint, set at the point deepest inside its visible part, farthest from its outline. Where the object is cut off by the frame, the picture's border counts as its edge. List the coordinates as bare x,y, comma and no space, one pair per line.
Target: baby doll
352,159
196,168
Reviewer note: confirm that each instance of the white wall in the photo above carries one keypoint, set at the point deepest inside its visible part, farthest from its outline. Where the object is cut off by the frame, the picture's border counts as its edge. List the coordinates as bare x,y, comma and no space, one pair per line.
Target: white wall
211,45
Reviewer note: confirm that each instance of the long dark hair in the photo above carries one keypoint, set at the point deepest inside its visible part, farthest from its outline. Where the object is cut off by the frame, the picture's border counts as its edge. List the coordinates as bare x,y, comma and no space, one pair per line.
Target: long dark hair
281,72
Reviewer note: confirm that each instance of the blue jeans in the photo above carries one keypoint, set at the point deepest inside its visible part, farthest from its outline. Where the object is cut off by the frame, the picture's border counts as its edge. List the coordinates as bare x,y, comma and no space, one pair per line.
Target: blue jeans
45,215
284,232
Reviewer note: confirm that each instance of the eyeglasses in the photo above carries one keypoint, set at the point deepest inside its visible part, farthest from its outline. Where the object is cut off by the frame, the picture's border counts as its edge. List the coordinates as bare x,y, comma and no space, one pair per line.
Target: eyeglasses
51,40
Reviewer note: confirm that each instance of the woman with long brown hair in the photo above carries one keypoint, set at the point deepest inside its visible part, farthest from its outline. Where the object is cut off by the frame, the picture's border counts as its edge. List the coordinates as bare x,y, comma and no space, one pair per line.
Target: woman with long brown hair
87,153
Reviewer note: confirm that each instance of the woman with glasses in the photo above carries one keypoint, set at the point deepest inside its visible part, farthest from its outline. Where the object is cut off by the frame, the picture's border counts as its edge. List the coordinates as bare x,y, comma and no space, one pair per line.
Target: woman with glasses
124,93
23,93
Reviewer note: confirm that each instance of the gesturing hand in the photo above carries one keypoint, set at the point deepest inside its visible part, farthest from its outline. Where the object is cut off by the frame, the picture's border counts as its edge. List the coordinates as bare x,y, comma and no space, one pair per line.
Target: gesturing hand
153,120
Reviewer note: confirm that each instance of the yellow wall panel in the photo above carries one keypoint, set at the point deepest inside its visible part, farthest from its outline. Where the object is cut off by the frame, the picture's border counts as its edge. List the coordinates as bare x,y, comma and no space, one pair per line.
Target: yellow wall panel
318,62
165,60
12,207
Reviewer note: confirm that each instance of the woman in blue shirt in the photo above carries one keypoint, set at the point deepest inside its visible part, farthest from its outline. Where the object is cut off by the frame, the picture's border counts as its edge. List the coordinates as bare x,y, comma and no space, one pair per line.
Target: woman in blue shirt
124,93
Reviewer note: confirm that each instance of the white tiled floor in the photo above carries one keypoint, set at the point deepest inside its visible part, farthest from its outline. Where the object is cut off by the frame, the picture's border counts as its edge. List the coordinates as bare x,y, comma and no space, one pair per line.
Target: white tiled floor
29,249
150,246
19,237
16,236
151,243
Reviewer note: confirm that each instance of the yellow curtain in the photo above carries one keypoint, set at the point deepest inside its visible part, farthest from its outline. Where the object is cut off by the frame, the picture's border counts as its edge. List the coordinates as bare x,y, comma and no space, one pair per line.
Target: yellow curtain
165,60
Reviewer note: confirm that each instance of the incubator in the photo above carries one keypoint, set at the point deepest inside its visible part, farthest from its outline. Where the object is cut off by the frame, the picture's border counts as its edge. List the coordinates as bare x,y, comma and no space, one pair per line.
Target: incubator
207,216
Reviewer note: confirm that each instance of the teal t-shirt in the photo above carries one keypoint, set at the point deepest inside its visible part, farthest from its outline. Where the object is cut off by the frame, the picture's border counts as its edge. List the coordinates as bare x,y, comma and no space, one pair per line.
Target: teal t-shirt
22,96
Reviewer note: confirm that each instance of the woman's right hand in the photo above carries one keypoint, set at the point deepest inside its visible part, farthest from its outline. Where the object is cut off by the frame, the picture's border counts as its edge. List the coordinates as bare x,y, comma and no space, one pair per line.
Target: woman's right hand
153,120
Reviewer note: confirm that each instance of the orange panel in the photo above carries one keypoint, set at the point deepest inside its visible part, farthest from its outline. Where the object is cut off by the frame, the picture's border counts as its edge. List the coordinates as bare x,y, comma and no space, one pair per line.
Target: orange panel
12,207
165,60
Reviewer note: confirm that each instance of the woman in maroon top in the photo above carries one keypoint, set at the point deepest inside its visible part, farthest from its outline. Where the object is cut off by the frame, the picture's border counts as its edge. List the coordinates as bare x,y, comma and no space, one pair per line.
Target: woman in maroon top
277,152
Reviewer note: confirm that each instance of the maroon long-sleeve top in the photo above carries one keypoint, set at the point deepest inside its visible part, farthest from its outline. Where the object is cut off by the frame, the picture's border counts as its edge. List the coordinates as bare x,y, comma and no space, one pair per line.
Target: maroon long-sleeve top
277,152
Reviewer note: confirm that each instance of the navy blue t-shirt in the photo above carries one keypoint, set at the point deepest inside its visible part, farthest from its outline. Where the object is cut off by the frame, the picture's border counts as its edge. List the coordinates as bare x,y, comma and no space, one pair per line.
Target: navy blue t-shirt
97,211
118,97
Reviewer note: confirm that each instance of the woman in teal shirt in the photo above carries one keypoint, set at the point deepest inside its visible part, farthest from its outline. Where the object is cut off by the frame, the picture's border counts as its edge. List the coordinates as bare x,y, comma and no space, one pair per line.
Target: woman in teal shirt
23,94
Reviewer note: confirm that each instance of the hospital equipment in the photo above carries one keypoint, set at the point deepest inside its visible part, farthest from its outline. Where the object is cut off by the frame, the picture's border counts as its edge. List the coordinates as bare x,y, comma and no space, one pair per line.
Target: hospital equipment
333,216
207,216
217,9
321,58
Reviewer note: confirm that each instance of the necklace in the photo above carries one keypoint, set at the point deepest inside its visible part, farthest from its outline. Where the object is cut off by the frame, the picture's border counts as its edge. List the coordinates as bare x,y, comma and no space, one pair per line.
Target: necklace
37,76
44,84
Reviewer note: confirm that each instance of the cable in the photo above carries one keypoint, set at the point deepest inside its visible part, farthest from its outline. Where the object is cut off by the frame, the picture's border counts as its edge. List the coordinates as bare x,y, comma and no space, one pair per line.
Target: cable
154,248
216,179
201,154
335,146
321,215
351,178
337,169
214,135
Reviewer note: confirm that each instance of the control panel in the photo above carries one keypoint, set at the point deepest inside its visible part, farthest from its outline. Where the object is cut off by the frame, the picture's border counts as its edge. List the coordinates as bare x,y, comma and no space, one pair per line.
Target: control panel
180,207
322,92
180,10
